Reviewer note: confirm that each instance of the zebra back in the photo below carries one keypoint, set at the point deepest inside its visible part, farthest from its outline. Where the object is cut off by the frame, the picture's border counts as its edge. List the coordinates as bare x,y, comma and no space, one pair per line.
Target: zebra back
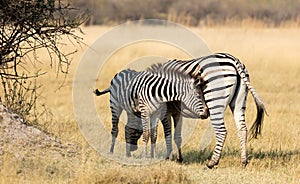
194,69
157,85
170,74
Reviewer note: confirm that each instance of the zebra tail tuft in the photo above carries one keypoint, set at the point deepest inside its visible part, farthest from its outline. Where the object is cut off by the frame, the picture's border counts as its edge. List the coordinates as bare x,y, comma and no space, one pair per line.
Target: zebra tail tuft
98,93
261,110
256,128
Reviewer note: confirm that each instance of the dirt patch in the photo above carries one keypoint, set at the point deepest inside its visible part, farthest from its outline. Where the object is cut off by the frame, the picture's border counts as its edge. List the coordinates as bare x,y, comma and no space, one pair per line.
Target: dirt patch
27,143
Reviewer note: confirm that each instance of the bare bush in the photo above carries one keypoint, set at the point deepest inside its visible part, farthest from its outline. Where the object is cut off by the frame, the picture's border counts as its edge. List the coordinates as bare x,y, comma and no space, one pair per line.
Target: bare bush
26,27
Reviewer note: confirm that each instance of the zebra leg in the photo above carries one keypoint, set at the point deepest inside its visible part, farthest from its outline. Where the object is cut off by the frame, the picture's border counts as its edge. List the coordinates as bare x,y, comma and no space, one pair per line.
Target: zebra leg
116,112
153,135
238,107
220,132
166,121
145,123
177,134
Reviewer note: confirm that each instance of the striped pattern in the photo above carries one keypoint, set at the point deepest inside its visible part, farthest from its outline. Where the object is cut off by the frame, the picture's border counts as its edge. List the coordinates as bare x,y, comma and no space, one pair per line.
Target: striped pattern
225,82
145,95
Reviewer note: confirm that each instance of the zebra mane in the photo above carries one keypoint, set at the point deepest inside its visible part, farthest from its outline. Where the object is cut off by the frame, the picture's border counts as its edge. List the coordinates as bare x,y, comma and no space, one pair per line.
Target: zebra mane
167,72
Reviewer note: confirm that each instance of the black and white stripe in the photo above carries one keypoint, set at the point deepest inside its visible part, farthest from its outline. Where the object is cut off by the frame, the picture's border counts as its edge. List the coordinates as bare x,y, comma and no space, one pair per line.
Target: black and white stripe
145,95
225,82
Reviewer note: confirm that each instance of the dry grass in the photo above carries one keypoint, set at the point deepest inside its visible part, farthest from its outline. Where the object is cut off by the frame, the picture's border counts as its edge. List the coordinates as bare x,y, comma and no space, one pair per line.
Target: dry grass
271,56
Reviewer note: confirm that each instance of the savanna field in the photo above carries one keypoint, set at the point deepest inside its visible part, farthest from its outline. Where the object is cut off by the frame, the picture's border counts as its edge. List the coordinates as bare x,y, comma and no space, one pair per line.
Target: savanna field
271,56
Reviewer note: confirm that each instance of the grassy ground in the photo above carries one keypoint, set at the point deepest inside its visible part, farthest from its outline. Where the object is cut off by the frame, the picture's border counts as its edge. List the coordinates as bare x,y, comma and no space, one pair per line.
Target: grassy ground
271,57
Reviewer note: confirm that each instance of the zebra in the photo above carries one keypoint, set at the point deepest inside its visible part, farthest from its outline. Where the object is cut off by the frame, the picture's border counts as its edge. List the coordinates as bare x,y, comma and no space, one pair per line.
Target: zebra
146,94
133,129
225,82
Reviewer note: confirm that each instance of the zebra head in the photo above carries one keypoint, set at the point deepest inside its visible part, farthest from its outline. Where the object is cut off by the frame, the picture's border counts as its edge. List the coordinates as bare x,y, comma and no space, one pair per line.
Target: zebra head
193,99
188,88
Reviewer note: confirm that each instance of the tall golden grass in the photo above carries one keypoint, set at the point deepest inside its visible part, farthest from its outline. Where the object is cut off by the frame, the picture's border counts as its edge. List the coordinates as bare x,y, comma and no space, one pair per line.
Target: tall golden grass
271,56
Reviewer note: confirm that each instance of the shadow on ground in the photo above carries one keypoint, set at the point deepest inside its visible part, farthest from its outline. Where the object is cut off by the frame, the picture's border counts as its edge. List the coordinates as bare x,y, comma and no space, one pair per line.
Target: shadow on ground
203,156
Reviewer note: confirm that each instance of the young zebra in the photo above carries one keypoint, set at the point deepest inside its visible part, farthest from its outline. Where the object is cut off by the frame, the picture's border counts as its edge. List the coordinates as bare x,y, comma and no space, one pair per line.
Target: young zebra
133,128
146,95
225,82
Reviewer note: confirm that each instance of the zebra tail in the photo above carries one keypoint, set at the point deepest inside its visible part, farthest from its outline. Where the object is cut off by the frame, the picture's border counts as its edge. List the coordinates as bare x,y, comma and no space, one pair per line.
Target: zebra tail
98,93
256,128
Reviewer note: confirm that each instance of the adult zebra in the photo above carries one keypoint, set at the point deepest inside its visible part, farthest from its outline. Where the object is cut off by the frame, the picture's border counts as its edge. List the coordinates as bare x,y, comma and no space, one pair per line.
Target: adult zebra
225,82
147,93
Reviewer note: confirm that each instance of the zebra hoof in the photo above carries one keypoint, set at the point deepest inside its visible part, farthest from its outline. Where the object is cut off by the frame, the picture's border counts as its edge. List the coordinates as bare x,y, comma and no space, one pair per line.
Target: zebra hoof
169,156
208,167
211,164
244,163
179,160
111,151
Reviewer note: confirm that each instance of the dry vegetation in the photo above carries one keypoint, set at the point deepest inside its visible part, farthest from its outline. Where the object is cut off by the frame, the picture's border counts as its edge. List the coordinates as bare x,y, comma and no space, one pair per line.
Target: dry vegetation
272,13
271,56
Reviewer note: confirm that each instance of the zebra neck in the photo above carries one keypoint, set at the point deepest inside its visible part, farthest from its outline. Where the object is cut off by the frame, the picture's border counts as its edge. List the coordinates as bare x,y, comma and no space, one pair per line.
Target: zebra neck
177,91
